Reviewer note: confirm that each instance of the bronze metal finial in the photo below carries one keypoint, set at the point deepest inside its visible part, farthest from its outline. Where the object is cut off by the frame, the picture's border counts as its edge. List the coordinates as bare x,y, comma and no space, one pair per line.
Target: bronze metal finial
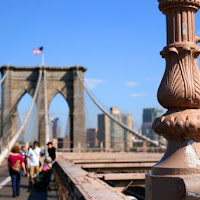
177,175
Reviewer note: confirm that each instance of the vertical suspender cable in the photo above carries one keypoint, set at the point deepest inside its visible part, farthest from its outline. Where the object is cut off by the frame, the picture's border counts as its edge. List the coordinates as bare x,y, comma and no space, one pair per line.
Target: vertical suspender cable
4,77
46,113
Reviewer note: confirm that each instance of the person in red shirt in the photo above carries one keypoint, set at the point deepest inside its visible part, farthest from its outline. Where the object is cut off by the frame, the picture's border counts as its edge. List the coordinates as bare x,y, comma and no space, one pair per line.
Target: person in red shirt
15,166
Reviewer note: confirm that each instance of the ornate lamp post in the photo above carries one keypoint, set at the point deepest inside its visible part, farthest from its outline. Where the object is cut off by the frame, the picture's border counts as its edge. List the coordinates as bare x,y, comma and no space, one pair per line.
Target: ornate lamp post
177,175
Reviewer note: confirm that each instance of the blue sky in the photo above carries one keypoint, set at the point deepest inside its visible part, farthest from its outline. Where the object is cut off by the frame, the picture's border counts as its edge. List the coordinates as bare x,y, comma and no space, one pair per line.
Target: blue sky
117,41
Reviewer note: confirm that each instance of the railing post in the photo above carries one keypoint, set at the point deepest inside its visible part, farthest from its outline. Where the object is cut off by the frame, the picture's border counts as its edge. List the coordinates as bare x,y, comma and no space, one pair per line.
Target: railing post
144,146
55,143
101,146
107,146
79,147
177,175
122,147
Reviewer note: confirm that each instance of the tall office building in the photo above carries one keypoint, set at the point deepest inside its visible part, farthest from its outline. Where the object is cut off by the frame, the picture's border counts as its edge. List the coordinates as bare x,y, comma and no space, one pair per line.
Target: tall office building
111,134
149,115
55,128
91,137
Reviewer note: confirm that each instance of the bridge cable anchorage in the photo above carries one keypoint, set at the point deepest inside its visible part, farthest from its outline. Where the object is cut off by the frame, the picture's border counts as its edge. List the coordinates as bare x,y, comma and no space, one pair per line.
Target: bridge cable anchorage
13,140
112,118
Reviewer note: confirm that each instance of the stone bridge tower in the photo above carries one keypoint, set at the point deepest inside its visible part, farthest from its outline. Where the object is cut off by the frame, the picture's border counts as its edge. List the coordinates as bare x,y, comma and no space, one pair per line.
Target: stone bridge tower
63,80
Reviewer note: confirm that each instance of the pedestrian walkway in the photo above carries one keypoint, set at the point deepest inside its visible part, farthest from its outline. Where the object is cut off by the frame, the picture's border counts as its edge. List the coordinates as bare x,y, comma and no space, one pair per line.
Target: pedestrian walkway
25,192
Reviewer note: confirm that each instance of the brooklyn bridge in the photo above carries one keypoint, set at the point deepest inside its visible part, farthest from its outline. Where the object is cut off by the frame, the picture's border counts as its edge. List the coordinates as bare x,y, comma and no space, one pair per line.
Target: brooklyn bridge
113,170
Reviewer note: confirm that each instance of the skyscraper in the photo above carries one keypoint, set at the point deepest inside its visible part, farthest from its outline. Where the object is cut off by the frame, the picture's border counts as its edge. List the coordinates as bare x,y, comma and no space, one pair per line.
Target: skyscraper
111,134
149,115
55,128
91,137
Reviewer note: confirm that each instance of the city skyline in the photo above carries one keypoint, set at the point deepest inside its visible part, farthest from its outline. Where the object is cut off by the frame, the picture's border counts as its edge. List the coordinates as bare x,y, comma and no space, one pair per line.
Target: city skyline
118,42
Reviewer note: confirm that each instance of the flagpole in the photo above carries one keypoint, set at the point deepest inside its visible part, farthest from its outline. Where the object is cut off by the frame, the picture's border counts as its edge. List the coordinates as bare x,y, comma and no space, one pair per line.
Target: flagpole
42,58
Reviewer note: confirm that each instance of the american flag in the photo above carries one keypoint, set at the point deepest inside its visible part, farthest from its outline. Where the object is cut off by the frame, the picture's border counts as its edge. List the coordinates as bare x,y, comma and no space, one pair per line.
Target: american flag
38,50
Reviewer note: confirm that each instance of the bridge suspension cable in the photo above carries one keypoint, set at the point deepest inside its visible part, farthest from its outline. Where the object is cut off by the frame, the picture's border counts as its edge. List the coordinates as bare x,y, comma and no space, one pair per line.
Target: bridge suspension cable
112,118
2,139
13,140
4,77
5,138
46,112
7,133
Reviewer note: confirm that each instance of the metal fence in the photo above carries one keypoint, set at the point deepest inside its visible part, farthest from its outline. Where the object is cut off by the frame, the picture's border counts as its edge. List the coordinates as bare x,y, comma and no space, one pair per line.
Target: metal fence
91,146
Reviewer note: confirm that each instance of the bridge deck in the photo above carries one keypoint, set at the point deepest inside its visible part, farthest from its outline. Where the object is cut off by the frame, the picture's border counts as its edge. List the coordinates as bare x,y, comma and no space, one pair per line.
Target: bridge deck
25,192
121,176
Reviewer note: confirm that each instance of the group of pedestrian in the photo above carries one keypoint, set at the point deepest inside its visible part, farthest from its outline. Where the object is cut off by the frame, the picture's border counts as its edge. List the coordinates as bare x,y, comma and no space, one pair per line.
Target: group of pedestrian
30,164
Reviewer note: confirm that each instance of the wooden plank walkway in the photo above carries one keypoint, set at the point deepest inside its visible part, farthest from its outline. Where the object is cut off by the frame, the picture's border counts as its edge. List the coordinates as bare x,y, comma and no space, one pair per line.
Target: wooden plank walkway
25,192
120,176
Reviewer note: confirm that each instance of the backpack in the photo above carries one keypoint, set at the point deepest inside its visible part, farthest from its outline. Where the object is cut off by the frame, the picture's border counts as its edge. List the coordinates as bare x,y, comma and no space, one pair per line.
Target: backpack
16,166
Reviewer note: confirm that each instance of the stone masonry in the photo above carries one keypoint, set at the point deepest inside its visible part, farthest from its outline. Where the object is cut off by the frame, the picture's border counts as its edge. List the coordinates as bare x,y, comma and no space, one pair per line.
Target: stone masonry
63,80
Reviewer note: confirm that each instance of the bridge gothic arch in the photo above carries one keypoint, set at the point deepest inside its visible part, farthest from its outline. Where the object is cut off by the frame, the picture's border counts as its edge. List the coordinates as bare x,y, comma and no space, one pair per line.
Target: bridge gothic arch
61,111
30,132
63,80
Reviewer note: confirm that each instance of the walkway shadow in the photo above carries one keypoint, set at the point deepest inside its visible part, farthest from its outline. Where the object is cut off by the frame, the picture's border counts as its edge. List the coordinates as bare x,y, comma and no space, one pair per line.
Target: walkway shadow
51,194
37,195
5,196
7,192
24,186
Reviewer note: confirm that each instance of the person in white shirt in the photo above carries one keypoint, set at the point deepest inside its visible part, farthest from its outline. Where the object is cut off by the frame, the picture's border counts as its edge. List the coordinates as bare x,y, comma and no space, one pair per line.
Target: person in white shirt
33,157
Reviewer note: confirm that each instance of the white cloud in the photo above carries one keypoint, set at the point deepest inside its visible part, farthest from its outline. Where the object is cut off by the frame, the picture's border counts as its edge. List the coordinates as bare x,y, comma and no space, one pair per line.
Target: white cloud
92,83
138,94
131,84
